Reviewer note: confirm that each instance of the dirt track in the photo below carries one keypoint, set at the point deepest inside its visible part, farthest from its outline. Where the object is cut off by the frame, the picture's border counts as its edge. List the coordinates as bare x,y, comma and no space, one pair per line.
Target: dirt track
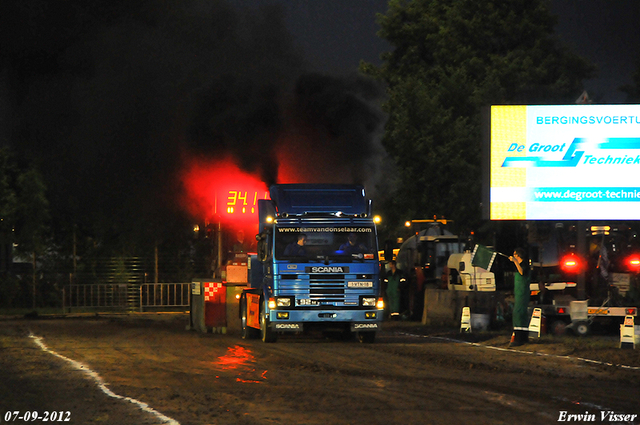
404,378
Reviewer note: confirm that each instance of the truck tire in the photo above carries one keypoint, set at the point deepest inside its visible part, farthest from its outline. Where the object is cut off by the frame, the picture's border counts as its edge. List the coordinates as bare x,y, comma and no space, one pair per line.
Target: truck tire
581,328
247,331
367,337
266,333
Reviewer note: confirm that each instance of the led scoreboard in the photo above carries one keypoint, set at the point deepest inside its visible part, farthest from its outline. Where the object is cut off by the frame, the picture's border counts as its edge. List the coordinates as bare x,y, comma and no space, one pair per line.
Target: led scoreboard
239,204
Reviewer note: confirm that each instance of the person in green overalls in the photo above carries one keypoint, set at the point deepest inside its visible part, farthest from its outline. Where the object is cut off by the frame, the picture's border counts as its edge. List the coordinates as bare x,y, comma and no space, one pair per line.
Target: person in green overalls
521,292
394,284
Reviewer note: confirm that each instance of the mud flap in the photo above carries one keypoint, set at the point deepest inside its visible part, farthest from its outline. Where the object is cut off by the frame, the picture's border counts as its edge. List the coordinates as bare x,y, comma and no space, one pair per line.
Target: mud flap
253,311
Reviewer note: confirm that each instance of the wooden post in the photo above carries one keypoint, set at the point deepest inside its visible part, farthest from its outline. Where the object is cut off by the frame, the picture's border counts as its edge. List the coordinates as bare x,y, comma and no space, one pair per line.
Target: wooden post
219,262
75,264
581,247
156,268
33,256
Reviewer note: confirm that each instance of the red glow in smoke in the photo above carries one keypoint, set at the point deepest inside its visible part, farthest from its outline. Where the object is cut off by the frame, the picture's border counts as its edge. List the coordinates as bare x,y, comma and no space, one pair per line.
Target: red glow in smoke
217,190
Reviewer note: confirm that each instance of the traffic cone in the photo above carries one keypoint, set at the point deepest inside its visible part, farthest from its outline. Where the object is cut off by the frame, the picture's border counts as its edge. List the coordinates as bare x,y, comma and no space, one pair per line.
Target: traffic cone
519,338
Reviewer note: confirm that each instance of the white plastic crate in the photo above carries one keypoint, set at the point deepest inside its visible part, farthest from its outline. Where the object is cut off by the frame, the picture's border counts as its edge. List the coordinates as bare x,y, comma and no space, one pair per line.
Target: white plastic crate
578,310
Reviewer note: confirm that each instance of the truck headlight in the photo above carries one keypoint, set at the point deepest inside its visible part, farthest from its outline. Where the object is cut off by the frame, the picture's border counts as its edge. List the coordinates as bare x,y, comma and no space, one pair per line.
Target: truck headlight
283,302
368,301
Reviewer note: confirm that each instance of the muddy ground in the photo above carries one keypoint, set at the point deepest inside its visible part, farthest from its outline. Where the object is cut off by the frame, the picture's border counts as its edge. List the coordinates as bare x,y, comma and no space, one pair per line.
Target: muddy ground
153,371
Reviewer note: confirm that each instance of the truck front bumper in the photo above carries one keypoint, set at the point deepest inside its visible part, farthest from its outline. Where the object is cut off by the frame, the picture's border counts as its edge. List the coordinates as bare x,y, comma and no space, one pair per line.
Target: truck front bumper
295,320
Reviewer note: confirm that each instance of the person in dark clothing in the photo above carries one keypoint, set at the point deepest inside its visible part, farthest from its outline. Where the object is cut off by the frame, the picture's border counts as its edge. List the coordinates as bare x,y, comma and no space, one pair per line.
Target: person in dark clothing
296,249
521,292
239,246
394,283
352,246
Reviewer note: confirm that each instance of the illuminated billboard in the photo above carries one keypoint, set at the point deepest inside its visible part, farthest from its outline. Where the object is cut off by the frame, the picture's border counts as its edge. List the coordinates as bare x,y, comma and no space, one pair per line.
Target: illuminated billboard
574,162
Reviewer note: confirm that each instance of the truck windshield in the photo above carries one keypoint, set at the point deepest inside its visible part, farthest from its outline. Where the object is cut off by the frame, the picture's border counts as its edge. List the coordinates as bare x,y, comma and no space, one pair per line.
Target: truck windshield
325,243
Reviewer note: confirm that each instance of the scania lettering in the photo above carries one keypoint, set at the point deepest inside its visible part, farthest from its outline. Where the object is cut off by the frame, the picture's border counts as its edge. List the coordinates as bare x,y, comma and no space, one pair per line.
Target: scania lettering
294,326
326,269
317,264
365,325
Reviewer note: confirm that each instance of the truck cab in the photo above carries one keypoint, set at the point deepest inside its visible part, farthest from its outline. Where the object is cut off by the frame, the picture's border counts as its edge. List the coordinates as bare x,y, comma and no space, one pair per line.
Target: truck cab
317,264
463,276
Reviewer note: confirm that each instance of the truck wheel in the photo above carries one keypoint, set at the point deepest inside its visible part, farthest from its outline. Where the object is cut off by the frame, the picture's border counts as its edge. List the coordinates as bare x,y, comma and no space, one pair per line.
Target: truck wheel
581,328
247,331
266,333
367,337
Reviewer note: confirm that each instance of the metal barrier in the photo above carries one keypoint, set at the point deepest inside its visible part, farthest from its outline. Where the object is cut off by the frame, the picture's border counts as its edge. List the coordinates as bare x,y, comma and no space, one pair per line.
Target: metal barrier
123,296
107,296
161,295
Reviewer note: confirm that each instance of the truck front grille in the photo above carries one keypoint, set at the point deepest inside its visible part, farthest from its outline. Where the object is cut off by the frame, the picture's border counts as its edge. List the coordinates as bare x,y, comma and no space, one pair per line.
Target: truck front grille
322,288
327,287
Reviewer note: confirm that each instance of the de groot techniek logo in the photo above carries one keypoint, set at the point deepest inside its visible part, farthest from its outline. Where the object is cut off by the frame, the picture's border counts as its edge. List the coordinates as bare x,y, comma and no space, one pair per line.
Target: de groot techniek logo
576,153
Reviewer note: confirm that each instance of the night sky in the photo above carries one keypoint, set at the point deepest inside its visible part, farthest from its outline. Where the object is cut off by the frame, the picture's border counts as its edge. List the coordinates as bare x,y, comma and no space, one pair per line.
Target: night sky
336,34
608,34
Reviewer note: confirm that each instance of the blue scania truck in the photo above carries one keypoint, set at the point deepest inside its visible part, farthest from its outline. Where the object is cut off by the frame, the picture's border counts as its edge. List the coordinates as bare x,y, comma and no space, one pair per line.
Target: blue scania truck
317,264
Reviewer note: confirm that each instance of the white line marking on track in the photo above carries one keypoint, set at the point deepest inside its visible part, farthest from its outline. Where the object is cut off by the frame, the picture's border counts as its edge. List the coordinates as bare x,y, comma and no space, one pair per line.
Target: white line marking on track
102,385
511,350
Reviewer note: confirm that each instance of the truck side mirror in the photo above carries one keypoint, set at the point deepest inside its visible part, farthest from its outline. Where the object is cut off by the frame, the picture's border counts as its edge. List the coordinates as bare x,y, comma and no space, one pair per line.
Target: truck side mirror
263,246
263,250
461,266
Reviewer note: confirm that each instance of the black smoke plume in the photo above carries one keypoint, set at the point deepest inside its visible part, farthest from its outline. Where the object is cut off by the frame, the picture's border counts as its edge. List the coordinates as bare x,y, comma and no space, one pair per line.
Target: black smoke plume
110,95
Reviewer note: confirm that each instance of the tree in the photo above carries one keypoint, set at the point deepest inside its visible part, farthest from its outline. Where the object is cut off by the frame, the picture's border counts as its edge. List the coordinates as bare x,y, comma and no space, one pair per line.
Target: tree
8,205
32,219
24,215
451,58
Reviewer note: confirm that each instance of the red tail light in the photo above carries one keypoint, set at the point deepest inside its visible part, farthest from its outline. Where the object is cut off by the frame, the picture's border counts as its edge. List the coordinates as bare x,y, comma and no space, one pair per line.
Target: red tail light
571,263
633,262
